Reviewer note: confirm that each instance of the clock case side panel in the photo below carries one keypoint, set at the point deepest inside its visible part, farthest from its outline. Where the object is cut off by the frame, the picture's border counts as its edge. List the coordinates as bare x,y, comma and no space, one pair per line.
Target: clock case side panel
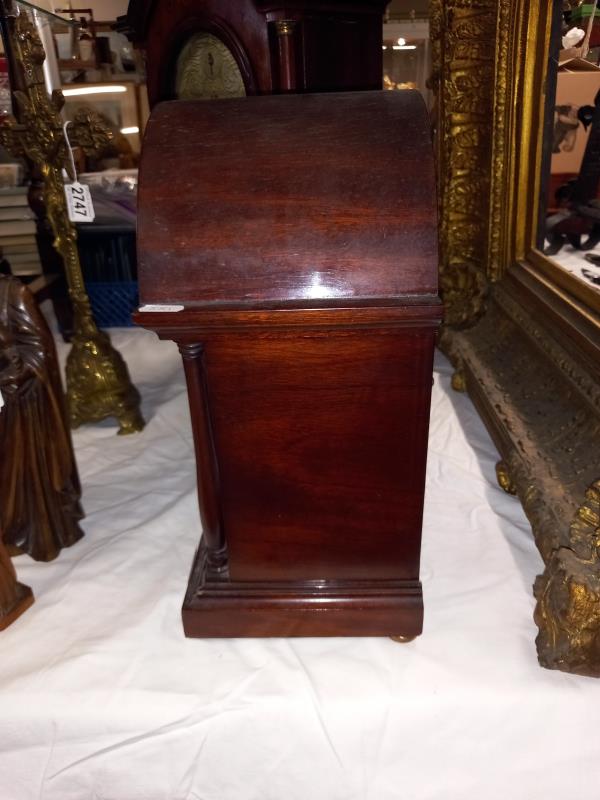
321,437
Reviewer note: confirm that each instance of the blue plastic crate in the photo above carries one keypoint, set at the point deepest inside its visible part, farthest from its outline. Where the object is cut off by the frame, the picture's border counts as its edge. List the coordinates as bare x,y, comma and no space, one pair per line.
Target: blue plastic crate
113,303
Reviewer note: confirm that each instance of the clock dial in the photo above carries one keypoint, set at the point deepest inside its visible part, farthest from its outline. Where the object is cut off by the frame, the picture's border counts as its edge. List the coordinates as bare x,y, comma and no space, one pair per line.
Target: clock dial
207,70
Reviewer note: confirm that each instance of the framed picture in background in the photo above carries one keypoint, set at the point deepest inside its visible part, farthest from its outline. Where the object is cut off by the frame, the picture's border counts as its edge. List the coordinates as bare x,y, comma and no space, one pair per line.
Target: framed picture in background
118,103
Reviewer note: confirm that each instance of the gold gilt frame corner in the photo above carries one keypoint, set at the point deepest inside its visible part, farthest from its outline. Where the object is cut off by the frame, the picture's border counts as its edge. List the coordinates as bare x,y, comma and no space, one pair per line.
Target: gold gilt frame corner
523,335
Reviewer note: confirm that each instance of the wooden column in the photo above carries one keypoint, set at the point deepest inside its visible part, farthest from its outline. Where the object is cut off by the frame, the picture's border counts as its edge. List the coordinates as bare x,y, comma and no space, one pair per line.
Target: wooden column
287,54
206,462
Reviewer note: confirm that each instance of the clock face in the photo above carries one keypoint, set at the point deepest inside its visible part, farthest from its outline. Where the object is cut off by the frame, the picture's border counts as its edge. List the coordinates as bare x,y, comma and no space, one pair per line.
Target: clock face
207,70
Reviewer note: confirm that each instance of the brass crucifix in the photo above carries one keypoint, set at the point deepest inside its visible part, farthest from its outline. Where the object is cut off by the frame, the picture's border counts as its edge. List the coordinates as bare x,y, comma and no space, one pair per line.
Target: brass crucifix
98,382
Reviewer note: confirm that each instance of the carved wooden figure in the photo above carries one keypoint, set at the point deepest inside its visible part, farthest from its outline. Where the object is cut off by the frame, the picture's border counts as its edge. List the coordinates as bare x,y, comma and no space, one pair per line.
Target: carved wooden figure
39,485
297,236
15,598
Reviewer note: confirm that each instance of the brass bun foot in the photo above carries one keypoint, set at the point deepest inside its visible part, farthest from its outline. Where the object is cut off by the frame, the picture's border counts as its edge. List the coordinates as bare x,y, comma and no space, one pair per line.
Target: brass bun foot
458,382
402,639
504,480
23,602
131,422
98,384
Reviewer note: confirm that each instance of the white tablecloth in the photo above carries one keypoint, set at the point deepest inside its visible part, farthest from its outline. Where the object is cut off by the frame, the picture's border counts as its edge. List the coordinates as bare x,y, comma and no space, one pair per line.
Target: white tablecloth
102,697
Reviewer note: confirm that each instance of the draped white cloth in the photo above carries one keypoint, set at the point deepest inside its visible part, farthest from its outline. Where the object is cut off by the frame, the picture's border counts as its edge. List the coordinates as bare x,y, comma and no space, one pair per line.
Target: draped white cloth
102,697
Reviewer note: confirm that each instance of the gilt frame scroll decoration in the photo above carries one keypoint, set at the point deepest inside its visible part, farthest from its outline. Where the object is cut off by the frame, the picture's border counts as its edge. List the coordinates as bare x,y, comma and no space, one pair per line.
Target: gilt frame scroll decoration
523,339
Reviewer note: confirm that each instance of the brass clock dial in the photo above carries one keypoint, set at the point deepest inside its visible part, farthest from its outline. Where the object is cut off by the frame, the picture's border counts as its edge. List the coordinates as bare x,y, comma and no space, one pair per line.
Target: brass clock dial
207,70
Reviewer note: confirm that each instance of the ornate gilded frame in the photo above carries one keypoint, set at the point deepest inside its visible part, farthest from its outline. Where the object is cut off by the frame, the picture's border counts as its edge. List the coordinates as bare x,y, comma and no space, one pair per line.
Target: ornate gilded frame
524,339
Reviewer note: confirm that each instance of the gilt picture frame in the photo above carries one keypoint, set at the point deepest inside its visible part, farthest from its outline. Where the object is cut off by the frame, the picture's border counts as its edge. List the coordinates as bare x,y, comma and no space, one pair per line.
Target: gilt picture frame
523,334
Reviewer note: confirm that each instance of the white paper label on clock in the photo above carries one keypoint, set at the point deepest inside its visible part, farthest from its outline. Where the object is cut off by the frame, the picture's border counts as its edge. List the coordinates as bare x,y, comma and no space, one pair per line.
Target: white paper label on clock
79,202
160,307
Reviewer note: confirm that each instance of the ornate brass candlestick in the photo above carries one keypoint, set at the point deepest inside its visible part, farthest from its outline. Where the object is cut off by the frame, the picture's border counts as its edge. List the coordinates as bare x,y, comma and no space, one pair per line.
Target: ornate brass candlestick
98,382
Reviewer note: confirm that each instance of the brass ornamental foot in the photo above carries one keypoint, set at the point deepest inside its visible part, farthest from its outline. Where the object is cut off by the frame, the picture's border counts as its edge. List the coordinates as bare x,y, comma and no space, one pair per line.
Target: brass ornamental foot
130,421
98,383
402,639
458,382
568,596
503,477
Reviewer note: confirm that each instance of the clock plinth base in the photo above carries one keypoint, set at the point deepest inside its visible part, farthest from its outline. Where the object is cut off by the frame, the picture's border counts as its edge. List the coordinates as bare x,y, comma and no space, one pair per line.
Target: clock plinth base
218,607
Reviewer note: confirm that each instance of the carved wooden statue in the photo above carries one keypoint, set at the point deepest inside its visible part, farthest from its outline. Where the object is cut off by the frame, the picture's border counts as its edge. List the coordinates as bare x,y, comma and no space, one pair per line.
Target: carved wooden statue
39,485
15,598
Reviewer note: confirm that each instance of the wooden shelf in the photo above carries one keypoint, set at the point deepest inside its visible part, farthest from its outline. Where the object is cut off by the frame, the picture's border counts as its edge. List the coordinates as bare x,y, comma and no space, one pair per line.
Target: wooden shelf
75,64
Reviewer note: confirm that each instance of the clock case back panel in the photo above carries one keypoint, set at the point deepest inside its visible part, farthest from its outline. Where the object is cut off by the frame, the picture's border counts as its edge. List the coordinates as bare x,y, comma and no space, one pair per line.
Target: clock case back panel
334,45
303,252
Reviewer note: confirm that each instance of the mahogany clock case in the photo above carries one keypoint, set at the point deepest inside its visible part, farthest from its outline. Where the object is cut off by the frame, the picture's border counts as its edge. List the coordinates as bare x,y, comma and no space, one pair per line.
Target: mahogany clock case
299,239
304,45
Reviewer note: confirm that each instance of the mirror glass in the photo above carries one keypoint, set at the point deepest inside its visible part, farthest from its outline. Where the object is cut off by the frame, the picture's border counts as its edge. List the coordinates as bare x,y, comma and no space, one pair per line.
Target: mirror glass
406,50
569,223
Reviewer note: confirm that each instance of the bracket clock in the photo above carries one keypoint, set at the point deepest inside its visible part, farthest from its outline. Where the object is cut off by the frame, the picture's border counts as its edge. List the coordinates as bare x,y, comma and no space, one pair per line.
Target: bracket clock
300,284
209,49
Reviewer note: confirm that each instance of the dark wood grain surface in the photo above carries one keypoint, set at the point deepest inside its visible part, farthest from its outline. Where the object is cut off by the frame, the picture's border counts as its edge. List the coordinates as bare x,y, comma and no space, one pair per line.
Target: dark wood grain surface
299,198
322,457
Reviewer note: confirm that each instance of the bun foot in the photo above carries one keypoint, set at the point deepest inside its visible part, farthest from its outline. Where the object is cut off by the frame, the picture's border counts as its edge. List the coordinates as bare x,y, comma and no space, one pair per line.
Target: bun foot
402,639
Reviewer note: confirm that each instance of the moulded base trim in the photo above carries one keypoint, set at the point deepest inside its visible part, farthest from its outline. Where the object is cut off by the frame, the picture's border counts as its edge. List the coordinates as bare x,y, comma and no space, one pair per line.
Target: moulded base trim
217,607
